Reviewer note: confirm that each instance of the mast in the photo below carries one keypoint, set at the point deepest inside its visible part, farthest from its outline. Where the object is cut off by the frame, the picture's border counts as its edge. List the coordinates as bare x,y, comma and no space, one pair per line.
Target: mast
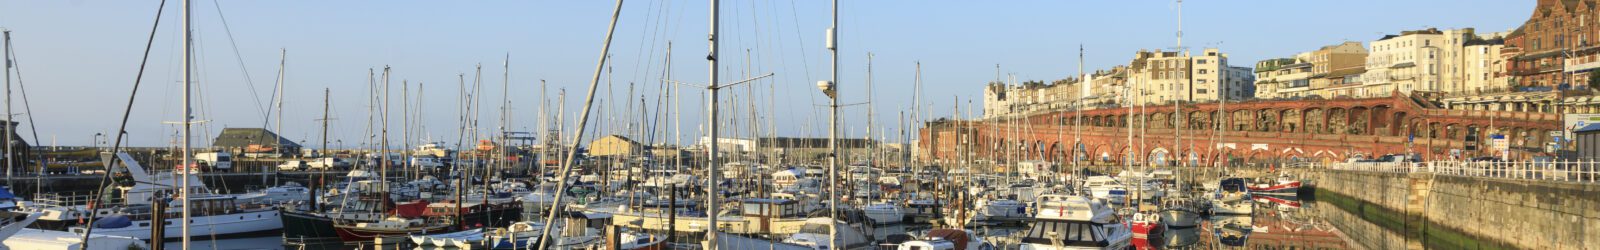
405,129
566,163
833,132
1077,119
188,62
283,57
326,94
505,114
1177,104
384,150
711,120
8,119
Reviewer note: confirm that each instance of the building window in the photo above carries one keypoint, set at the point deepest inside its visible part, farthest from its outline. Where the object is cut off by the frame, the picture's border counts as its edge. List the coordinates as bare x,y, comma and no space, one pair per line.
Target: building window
1201,61
1201,91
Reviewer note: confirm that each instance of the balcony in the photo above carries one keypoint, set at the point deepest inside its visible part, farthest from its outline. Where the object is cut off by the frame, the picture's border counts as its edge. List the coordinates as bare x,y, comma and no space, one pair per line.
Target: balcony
1572,66
1548,68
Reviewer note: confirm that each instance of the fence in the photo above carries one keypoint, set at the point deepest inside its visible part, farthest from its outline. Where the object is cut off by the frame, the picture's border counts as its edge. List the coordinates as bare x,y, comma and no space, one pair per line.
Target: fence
1586,171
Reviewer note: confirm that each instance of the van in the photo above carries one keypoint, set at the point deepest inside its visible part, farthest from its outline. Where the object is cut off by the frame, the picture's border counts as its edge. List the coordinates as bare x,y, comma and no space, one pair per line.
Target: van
215,161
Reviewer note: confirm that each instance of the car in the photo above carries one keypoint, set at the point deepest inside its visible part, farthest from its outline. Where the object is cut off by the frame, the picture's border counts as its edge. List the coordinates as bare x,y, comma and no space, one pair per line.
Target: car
292,165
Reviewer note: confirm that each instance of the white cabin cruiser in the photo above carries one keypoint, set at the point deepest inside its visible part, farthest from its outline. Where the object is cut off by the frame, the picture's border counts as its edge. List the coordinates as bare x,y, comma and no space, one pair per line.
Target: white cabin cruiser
1232,197
884,213
1075,222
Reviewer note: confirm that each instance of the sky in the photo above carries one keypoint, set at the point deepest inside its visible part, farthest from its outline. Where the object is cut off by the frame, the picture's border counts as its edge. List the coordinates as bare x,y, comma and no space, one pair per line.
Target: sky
79,59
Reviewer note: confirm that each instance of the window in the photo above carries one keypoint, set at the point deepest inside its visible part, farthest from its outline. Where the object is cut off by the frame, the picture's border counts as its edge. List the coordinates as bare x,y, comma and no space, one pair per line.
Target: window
1201,61
1202,71
1201,91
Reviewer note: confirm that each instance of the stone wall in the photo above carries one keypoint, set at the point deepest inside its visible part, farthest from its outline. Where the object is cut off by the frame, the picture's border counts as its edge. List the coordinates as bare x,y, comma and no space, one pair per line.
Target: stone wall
1521,213
1524,214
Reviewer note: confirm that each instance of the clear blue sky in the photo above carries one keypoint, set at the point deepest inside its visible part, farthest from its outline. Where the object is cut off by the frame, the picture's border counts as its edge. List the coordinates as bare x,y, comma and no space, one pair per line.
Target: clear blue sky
79,58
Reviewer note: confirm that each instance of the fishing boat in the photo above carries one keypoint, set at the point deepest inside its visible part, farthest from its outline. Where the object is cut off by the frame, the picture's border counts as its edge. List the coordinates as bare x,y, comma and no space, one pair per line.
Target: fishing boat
1283,185
1075,222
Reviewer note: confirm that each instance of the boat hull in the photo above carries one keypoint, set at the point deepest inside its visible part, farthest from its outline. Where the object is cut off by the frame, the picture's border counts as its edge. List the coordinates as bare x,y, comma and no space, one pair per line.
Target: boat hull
222,226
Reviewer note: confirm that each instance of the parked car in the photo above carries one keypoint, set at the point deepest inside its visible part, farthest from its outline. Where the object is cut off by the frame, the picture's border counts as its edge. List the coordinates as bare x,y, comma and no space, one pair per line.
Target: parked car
294,165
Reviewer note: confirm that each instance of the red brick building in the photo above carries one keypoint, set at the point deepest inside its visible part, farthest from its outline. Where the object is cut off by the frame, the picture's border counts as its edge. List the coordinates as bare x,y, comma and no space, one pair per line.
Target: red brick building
1556,46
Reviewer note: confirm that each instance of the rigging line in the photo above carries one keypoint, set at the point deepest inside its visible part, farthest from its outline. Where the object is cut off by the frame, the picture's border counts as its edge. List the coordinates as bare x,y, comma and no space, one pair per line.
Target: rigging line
240,59
123,129
650,16
12,54
655,36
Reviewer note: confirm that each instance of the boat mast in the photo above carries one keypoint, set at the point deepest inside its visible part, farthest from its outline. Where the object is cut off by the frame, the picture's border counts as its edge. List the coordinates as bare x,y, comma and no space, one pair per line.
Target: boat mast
188,62
833,132
566,163
283,57
505,116
326,94
711,120
383,189
10,129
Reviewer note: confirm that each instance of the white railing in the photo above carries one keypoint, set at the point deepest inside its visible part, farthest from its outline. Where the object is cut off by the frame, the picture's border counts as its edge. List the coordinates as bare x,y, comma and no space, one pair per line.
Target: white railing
1586,171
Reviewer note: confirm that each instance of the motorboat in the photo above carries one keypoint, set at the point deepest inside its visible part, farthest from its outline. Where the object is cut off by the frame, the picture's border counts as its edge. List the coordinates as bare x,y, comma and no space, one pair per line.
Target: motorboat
1232,197
1075,222
884,213
1001,210
15,235
947,239
815,234
1106,188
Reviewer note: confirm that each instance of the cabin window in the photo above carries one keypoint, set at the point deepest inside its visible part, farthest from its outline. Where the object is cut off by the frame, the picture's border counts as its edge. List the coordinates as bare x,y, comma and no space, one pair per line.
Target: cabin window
144,224
1068,233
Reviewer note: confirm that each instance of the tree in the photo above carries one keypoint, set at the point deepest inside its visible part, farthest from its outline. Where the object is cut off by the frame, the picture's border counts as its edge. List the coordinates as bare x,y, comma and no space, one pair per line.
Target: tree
1594,80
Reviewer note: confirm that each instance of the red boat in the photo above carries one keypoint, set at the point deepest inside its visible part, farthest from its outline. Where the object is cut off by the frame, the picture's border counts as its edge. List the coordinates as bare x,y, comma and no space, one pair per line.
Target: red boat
1283,186
1277,200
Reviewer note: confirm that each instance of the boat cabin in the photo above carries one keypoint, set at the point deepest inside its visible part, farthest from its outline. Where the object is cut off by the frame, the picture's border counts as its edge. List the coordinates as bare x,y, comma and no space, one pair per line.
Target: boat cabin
771,208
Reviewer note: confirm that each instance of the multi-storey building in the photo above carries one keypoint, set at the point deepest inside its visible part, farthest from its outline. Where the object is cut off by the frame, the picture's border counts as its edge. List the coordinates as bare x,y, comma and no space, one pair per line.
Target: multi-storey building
1283,78
1555,35
1166,76
1336,69
1104,89
1404,63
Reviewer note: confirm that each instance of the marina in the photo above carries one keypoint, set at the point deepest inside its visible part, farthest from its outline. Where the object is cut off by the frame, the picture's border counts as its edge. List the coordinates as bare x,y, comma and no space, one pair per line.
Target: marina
387,145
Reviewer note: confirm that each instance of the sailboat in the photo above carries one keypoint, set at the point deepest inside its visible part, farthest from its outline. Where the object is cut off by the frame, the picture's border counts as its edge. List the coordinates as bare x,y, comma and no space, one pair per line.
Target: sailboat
215,214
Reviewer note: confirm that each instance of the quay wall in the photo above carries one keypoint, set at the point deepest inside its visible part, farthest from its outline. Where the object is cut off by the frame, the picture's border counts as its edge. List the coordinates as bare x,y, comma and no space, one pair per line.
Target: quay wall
1475,212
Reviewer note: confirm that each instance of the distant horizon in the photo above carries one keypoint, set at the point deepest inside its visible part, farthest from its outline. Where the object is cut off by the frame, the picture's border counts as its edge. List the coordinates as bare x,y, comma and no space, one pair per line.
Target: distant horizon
80,58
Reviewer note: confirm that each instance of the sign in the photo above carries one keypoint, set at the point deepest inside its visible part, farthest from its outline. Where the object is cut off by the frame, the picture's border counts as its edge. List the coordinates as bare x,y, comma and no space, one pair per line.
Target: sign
1499,142
1572,122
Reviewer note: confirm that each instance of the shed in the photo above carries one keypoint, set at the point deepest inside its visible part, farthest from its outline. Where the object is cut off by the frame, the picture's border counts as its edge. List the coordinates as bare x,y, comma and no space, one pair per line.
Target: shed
1588,141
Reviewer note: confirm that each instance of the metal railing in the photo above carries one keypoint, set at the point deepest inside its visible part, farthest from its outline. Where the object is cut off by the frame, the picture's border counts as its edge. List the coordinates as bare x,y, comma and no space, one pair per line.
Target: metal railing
1585,171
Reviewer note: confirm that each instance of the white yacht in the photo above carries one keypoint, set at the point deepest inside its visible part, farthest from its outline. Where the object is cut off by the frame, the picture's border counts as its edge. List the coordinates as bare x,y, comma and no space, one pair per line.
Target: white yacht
1001,210
884,213
13,235
1075,222
1105,188
947,239
129,213
815,234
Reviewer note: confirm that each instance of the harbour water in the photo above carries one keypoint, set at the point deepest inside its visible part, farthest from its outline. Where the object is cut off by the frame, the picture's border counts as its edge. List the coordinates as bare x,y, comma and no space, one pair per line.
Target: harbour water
1280,222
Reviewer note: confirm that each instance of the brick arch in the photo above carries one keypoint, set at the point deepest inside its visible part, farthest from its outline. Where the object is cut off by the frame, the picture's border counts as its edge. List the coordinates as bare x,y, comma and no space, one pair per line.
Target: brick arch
1338,121
1360,121
1315,120
1268,120
1292,120
1397,123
